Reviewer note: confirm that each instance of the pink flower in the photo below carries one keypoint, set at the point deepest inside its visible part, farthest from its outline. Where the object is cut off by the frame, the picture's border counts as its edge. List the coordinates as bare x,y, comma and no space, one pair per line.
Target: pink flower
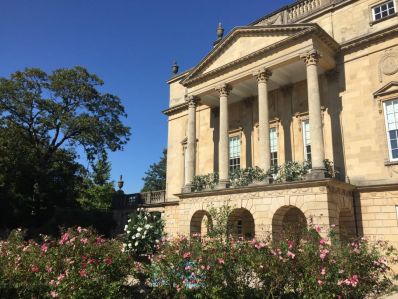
186,255
220,261
290,254
60,277
84,240
260,245
108,260
79,229
44,247
52,282
317,228
34,269
64,238
320,282
354,280
323,253
49,269
54,294
83,273
322,241
323,271
290,244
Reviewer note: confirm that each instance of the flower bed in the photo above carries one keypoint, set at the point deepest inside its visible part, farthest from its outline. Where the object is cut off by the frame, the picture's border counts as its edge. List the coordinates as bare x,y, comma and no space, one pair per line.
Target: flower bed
310,268
80,264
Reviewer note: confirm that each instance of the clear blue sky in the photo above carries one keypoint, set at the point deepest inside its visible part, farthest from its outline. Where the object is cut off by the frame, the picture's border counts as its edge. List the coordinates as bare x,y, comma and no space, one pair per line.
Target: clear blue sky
131,45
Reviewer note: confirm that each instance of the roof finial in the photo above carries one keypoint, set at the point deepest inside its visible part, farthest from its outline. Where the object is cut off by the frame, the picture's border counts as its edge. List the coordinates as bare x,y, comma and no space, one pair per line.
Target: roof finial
120,184
220,31
175,68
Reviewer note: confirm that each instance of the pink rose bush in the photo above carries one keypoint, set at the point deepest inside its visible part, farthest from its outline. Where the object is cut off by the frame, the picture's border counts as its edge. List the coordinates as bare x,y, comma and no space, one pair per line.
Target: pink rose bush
80,264
311,267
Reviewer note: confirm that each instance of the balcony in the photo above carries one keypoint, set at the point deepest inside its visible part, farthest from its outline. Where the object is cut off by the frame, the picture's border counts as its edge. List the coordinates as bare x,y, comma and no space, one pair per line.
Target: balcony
132,201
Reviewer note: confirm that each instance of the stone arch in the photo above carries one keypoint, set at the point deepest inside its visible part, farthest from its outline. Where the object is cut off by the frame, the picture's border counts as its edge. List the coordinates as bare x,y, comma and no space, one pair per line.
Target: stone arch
241,224
346,225
200,223
288,220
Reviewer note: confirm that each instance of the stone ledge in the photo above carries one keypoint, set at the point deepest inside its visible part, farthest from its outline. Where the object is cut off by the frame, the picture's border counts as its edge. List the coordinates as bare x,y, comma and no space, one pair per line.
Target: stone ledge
270,187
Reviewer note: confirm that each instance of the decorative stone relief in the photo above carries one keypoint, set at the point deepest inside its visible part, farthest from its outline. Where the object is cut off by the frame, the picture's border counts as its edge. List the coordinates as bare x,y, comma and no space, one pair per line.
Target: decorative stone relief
388,64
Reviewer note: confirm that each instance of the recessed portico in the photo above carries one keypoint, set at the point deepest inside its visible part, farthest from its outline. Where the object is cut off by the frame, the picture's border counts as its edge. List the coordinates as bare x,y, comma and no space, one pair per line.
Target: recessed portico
247,77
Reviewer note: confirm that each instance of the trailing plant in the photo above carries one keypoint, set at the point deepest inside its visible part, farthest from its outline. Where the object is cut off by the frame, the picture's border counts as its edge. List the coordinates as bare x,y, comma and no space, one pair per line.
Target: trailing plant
142,233
244,176
292,171
207,181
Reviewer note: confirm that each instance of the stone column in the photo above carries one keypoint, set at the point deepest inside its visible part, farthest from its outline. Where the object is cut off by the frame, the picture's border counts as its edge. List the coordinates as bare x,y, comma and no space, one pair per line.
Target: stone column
223,147
190,154
314,110
263,119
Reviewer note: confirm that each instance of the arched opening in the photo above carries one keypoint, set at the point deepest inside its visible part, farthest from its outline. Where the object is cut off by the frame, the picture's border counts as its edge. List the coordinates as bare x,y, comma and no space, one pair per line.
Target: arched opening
241,224
200,223
346,227
288,222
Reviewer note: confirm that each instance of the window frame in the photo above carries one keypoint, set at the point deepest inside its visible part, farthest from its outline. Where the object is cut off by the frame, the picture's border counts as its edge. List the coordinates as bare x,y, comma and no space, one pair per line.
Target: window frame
391,159
379,5
276,146
303,131
236,165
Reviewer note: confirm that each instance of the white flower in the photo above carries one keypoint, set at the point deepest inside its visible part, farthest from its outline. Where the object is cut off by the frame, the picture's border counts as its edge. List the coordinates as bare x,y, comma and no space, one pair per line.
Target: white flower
137,235
130,245
133,237
125,227
128,232
157,241
139,229
129,221
136,244
147,226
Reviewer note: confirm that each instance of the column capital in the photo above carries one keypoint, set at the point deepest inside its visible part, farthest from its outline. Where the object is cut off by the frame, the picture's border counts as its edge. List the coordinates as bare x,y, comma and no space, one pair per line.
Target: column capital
311,57
224,90
192,101
263,75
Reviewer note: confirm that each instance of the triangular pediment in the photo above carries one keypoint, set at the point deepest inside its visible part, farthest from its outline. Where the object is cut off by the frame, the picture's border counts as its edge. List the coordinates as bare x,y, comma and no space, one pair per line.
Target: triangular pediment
387,89
245,42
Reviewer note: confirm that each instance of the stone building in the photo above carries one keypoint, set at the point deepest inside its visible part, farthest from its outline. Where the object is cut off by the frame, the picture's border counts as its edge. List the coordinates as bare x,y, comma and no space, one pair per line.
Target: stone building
315,80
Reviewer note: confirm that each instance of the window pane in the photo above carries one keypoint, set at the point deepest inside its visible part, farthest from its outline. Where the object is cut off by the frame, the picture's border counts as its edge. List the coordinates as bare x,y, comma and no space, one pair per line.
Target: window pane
393,135
394,144
395,154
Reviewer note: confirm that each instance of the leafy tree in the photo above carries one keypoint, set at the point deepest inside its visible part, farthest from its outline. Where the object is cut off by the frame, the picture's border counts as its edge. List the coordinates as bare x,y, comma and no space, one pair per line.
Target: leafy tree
97,191
155,177
43,118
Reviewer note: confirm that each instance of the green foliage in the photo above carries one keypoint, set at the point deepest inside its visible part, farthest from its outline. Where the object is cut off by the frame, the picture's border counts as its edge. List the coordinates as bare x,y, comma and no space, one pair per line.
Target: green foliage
309,268
155,177
43,117
142,233
245,176
96,191
218,222
205,182
291,171
80,264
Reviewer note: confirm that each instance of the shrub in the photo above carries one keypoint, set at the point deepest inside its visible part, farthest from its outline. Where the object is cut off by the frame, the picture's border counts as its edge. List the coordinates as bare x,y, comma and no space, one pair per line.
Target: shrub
207,181
142,233
245,176
311,267
80,264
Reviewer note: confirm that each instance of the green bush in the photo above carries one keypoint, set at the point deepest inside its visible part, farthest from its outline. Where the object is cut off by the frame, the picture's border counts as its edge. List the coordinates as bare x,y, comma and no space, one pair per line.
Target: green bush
312,267
245,176
80,264
207,181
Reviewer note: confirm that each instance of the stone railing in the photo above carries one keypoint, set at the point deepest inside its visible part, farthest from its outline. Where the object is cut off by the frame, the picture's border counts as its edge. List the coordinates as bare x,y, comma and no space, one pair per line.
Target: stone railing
129,201
307,7
153,197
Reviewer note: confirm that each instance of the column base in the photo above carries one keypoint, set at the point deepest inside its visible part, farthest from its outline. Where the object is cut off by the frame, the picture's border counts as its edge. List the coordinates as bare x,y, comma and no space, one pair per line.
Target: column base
223,184
187,189
317,173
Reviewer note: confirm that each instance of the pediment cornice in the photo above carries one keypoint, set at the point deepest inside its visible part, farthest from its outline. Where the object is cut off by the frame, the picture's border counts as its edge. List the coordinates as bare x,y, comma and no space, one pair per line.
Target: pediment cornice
391,87
294,32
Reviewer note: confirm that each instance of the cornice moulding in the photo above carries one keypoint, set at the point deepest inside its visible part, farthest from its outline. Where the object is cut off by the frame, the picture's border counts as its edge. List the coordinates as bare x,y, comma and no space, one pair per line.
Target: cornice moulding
176,109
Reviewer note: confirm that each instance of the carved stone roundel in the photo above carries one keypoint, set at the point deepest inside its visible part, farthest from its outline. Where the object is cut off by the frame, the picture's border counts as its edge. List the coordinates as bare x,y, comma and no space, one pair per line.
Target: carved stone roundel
389,64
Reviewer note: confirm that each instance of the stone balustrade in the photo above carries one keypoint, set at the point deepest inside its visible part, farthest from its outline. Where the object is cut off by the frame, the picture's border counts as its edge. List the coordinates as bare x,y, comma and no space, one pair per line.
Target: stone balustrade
129,201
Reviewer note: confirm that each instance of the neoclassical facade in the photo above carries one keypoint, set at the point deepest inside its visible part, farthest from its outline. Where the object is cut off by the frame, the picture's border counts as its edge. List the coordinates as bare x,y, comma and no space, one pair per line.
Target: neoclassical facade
315,80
